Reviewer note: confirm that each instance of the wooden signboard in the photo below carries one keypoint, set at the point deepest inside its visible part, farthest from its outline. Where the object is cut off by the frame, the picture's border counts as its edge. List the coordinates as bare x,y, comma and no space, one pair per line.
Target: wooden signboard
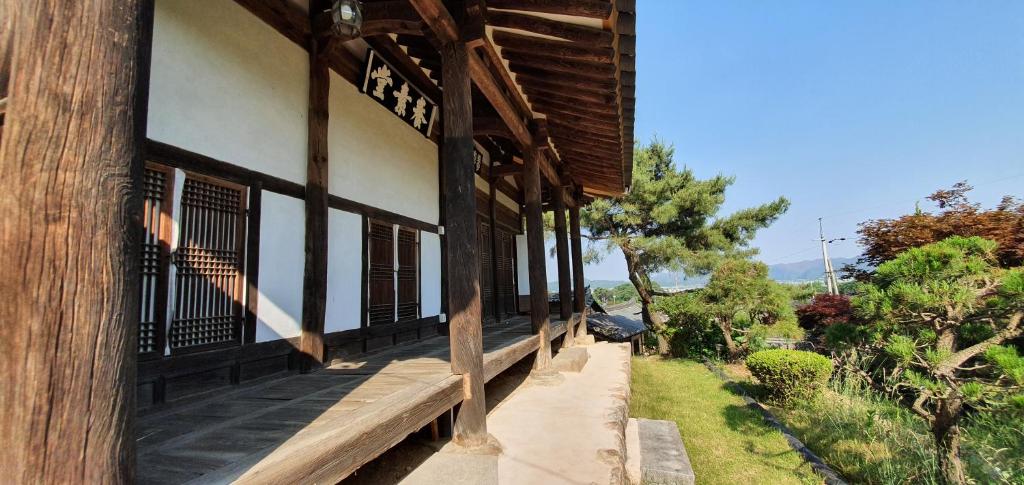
383,84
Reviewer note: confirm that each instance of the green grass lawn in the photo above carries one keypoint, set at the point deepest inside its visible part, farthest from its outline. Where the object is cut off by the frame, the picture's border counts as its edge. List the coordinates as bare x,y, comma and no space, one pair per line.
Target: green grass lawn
728,443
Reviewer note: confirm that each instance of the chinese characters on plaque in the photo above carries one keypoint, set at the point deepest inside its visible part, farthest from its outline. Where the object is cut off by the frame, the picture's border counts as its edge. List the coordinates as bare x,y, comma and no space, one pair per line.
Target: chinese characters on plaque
395,93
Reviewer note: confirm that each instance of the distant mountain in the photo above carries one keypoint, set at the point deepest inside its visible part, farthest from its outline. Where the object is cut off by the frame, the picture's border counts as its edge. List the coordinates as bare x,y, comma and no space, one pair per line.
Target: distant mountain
812,269
594,284
800,271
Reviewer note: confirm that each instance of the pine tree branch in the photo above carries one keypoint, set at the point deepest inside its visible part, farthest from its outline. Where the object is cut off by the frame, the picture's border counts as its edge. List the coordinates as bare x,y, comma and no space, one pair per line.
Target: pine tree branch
1012,330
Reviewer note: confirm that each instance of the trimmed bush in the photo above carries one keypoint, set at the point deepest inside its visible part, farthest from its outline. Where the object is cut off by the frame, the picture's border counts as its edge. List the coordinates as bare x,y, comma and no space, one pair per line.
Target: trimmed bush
790,374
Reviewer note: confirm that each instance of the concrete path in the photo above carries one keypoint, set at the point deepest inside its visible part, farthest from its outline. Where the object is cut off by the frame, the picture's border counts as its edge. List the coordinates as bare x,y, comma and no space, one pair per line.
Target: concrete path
569,433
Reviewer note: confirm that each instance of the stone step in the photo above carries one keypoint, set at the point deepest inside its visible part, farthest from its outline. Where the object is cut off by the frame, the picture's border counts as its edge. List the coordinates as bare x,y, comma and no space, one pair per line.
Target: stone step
572,359
655,454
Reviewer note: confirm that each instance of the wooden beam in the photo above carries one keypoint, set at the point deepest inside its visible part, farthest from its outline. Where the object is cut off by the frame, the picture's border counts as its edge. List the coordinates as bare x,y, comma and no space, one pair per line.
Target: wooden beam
553,48
438,19
491,127
314,281
493,92
601,90
497,65
536,258
595,114
553,28
70,227
506,170
284,16
252,262
539,60
464,306
563,77
539,89
596,9
562,253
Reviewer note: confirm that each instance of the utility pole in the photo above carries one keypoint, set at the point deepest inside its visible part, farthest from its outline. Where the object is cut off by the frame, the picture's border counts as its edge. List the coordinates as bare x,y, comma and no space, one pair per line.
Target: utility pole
830,275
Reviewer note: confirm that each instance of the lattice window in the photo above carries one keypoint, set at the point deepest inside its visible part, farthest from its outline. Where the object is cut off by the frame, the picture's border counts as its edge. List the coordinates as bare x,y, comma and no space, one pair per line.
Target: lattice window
156,188
407,275
381,274
506,272
208,260
483,236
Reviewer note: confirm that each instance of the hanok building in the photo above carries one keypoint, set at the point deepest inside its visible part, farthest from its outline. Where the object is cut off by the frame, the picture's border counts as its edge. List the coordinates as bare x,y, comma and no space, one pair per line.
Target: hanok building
265,240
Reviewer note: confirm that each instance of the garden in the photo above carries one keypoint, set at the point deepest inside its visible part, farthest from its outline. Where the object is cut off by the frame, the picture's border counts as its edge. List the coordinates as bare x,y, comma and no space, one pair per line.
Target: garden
913,373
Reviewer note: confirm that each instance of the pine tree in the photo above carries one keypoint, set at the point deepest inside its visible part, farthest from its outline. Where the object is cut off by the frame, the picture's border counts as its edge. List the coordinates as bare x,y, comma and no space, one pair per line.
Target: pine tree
669,220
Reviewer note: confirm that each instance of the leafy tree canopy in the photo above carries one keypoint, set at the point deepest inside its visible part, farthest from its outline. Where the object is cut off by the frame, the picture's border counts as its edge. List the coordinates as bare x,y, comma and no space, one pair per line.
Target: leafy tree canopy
884,239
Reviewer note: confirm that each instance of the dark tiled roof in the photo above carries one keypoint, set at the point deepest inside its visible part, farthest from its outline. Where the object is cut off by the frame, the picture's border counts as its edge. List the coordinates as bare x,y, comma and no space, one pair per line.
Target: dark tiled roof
618,322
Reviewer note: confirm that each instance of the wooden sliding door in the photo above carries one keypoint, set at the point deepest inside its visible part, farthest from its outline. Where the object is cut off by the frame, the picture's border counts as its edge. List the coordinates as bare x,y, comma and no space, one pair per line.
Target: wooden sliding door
392,273
505,260
205,310
208,261
157,189
486,271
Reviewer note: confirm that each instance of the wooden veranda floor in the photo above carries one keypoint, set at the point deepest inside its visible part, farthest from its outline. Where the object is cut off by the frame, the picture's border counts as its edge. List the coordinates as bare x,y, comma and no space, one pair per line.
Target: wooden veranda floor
319,426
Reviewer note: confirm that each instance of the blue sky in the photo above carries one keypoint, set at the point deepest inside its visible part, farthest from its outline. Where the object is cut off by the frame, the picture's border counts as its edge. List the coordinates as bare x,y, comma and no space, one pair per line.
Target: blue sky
853,110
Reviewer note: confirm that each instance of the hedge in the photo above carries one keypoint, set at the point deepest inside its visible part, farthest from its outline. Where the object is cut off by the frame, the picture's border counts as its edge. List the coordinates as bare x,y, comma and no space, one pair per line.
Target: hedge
790,374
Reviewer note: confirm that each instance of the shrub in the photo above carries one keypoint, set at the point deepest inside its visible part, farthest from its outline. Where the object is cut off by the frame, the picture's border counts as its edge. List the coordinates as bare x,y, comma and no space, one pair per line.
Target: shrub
790,374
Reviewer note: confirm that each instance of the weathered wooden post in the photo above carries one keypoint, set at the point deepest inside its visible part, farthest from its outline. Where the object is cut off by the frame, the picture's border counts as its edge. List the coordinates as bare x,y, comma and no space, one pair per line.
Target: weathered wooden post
464,308
579,292
314,281
535,257
562,251
70,222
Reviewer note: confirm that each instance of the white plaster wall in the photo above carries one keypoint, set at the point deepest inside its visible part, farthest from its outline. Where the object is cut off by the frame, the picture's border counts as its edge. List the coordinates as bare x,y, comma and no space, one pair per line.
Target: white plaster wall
377,159
282,262
227,85
522,264
430,274
344,270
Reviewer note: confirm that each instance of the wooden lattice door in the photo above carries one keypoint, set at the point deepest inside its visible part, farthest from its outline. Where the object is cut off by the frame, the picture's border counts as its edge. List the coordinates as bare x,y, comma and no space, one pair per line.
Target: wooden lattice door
208,261
506,273
381,273
156,235
486,271
408,306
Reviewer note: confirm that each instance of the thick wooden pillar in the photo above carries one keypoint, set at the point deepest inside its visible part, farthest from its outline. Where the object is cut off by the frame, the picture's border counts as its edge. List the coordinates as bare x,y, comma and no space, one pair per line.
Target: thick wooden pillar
70,223
535,257
465,332
562,254
314,282
579,295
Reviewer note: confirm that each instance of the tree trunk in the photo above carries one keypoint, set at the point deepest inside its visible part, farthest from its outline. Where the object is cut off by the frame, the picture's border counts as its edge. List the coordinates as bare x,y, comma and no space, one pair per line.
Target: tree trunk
730,344
642,283
946,430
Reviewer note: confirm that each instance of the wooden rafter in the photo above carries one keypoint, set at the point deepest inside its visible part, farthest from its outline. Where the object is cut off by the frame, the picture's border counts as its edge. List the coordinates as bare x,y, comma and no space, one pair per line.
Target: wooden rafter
596,9
553,48
553,28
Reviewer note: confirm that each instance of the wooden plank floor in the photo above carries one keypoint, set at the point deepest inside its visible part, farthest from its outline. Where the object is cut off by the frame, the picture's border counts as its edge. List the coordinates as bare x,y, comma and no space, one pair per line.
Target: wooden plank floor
319,426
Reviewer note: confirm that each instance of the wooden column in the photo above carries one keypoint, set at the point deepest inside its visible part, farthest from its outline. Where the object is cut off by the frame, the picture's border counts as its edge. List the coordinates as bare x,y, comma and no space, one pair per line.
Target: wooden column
562,253
579,296
535,257
70,227
314,282
465,332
